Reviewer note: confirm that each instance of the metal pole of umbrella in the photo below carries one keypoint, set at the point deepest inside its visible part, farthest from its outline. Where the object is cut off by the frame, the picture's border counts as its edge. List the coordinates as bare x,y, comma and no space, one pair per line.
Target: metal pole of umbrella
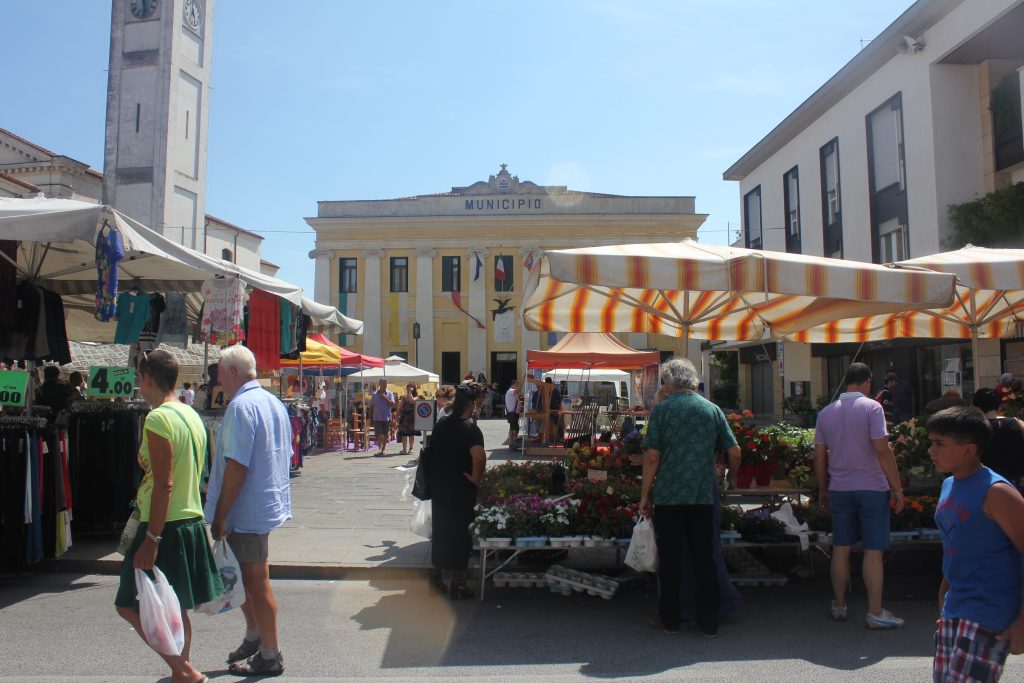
974,342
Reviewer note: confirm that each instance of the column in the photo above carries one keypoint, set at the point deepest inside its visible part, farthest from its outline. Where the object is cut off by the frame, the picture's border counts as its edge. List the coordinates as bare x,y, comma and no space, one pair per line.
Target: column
425,307
371,301
477,341
322,275
530,339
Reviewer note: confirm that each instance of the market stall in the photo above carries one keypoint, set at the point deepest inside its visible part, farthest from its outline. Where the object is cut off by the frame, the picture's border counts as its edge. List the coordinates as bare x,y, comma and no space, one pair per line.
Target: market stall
85,272
581,352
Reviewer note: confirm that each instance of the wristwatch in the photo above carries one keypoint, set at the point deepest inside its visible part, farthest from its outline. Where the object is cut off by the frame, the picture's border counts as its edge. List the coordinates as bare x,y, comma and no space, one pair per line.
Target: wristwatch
155,539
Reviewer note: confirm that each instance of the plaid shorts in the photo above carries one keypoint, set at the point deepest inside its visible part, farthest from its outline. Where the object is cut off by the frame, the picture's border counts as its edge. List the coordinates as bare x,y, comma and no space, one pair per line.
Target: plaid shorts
966,651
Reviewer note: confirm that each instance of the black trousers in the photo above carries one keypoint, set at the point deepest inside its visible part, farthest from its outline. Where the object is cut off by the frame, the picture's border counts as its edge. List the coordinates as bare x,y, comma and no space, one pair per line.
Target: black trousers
690,526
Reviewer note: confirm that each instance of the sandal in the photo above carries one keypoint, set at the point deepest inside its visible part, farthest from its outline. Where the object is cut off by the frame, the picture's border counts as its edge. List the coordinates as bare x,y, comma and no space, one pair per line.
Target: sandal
247,649
257,665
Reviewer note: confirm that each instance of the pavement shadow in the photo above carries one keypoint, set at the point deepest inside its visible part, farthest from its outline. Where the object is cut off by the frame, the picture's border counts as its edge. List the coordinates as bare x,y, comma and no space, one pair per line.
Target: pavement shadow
16,589
518,627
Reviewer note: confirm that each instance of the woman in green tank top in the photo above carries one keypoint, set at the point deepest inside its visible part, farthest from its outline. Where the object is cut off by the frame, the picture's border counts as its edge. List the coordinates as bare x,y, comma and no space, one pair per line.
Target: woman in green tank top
172,534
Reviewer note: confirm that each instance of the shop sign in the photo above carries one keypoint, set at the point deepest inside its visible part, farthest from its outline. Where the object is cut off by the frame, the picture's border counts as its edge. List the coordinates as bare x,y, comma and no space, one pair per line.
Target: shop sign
108,382
217,398
13,388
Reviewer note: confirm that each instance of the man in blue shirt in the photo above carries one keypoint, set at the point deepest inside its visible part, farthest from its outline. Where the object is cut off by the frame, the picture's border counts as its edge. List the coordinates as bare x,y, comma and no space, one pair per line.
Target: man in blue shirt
249,496
981,516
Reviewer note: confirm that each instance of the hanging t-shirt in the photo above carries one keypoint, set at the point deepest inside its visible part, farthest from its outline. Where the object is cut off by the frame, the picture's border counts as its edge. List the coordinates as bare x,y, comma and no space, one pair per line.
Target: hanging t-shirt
174,321
109,252
223,311
147,338
132,314
287,329
263,336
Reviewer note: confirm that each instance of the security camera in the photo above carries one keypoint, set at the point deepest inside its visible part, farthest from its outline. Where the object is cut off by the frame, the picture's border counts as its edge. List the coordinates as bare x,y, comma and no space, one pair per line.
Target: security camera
913,45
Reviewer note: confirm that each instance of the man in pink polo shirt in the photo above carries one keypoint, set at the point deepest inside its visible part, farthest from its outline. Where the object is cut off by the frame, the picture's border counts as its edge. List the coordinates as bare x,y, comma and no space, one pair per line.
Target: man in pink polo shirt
857,478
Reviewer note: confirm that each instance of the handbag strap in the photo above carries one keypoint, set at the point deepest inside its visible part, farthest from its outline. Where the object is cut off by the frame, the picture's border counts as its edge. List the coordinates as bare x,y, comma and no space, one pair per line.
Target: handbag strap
192,442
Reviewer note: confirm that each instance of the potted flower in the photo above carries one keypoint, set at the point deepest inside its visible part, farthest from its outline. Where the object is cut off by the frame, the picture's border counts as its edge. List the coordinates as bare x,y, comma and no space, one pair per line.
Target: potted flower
560,523
491,526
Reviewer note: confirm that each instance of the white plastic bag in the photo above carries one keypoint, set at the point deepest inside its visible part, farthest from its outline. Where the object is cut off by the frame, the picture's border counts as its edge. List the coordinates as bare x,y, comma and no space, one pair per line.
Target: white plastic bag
160,613
793,526
643,550
421,523
230,576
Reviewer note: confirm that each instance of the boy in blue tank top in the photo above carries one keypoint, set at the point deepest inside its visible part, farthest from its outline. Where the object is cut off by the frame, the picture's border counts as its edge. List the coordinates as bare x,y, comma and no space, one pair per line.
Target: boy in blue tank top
981,516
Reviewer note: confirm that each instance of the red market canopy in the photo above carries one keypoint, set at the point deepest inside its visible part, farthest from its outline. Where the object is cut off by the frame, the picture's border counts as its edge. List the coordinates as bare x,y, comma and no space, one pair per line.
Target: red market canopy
591,350
321,351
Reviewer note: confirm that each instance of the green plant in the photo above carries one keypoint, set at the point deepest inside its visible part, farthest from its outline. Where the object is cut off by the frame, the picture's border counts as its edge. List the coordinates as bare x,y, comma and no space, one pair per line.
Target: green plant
910,444
730,517
995,220
797,405
822,401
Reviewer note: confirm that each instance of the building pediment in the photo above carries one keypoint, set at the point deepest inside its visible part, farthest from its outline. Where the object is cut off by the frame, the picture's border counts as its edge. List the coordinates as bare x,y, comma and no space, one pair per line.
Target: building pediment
504,183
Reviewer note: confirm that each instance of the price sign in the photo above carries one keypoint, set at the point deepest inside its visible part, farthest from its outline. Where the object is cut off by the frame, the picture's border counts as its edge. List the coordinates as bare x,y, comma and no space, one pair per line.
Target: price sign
13,388
217,398
107,382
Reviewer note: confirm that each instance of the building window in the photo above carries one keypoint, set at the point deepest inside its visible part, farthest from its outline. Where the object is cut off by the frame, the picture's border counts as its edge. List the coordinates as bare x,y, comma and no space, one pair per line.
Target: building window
831,199
887,181
791,202
1008,136
892,241
504,276
225,255
348,275
885,128
451,273
399,274
752,218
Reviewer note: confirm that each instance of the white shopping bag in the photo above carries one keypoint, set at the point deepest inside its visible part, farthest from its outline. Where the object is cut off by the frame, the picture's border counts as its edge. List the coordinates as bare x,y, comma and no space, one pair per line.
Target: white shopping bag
230,576
421,523
643,551
160,613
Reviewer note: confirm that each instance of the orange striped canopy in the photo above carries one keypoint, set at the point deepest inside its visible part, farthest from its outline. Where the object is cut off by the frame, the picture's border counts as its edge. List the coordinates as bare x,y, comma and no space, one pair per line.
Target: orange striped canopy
989,302
686,289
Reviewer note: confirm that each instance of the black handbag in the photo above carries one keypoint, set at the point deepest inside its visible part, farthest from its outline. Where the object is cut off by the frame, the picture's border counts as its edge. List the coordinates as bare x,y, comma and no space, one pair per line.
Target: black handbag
421,487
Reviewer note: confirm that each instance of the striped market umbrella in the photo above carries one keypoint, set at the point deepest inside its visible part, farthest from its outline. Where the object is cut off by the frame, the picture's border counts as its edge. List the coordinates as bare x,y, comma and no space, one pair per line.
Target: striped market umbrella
989,304
686,289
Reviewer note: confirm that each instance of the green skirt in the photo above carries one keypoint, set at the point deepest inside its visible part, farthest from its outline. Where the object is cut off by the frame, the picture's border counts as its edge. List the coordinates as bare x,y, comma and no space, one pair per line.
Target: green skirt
185,559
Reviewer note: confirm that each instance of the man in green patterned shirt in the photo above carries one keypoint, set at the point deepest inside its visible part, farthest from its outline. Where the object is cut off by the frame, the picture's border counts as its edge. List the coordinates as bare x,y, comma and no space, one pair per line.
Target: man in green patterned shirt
683,434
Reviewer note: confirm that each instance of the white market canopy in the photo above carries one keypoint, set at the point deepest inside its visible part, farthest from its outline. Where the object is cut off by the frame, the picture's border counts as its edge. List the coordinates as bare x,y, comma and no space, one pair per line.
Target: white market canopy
586,375
58,252
394,370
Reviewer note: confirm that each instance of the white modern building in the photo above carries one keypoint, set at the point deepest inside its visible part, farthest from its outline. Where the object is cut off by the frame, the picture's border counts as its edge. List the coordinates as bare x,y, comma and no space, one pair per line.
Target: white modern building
927,115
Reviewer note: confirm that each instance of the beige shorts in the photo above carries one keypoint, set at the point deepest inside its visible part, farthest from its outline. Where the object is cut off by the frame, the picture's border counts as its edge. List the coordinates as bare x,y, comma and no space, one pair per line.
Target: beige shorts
249,548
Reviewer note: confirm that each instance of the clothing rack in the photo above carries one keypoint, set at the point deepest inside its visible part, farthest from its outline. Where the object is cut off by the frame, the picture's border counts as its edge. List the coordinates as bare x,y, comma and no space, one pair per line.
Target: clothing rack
89,407
22,422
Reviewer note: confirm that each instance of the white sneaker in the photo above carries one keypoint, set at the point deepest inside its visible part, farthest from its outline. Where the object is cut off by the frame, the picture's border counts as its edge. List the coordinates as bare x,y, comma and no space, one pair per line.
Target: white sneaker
885,620
838,613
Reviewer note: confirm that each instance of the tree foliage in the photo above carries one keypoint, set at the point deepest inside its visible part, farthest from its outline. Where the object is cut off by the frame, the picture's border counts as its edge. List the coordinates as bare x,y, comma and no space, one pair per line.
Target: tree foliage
995,220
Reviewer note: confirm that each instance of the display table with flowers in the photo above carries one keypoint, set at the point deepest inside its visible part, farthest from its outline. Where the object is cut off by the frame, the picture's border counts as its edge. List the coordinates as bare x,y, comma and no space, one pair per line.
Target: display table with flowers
590,498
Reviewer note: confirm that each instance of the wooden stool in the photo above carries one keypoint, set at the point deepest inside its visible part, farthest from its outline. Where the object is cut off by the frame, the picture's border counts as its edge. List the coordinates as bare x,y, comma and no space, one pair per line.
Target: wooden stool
356,433
333,434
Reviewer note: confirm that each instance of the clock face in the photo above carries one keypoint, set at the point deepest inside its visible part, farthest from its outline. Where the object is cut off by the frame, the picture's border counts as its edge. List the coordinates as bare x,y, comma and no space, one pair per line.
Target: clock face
193,14
142,9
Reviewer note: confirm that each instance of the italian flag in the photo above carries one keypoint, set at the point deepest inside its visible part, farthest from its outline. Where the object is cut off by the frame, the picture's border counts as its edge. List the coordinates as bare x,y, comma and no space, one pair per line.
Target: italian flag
499,272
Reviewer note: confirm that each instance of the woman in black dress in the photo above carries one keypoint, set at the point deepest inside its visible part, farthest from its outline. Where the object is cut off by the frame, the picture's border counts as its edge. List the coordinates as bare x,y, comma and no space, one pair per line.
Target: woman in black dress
456,468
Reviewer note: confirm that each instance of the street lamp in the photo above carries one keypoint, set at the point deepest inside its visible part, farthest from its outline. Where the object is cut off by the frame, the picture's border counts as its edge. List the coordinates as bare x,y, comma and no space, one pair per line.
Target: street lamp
416,336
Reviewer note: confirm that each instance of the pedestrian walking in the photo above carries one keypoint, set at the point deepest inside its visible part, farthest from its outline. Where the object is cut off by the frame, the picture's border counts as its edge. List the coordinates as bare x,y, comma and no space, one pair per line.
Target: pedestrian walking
981,517
456,468
407,419
512,414
684,433
171,533
381,404
187,395
857,486
249,496
1004,453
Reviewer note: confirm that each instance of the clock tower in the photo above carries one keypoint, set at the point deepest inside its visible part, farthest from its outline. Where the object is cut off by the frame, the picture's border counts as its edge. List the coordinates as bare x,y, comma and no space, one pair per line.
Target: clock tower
158,97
